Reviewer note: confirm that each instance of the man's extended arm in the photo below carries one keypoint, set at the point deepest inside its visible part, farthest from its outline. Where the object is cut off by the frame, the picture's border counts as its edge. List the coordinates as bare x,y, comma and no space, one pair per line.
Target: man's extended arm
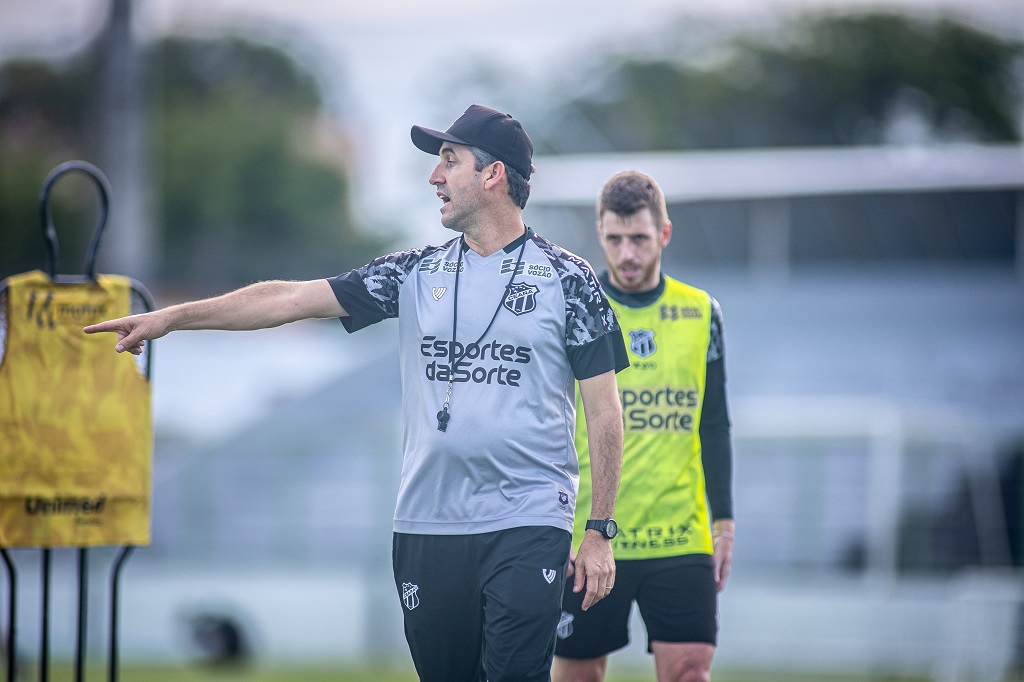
595,565
257,306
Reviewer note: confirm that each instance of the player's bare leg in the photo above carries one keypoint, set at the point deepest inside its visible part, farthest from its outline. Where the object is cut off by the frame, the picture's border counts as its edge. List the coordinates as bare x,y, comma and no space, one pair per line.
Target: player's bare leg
682,662
578,669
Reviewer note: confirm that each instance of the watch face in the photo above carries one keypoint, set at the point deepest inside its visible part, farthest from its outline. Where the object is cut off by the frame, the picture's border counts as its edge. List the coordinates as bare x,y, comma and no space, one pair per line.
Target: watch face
611,530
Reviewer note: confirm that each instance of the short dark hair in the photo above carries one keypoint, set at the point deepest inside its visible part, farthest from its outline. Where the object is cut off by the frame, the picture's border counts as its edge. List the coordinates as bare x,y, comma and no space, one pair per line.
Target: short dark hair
631,191
518,186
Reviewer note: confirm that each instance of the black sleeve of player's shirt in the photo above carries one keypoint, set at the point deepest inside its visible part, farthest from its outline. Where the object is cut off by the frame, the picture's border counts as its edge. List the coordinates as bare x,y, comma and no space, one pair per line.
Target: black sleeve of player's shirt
362,308
716,442
606,352
715,427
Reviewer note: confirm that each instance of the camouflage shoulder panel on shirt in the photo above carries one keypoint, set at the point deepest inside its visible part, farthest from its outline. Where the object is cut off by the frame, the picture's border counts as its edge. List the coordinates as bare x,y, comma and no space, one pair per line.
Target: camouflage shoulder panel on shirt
716,347
588,315
384,276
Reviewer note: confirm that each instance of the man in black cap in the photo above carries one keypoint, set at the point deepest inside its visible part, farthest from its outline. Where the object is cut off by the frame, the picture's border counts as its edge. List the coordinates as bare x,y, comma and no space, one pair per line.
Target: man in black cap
497,327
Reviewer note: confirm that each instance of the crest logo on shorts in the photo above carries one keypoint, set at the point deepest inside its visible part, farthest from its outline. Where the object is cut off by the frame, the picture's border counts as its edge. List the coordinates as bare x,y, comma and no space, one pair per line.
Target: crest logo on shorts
521,298
549,574
564,628
641,342
409,596
438,292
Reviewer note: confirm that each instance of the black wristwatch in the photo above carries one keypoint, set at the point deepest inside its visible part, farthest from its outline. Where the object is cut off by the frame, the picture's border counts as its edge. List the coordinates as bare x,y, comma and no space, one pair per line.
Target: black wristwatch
608,527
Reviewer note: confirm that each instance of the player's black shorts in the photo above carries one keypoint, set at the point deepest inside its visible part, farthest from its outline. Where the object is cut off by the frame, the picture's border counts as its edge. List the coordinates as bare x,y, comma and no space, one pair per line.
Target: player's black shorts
676,595
482,606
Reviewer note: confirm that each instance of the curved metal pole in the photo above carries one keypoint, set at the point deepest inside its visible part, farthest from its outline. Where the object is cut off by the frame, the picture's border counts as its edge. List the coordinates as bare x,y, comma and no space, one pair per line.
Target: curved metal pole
44,637
46,218
115,603
83,599
12,617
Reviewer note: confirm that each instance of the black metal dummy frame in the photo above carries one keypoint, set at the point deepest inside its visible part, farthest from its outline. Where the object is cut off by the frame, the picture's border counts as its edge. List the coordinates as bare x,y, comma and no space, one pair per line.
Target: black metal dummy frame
52,250
80,644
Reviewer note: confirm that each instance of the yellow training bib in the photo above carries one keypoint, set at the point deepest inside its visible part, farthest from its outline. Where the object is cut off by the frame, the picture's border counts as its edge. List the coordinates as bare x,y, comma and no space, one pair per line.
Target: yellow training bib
661,508
76,435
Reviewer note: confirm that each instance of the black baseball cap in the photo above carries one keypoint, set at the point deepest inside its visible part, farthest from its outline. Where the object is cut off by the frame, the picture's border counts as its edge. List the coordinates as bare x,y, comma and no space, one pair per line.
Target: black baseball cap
488,129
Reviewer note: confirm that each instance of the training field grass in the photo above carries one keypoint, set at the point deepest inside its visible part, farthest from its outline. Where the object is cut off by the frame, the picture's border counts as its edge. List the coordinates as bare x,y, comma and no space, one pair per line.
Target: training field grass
134,673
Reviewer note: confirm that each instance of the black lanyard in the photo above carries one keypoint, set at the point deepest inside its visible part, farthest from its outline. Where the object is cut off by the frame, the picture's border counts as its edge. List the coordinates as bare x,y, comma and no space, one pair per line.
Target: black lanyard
445,414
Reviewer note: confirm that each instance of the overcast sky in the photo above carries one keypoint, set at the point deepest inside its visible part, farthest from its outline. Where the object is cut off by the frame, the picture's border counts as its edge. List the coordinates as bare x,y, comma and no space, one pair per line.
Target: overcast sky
387,64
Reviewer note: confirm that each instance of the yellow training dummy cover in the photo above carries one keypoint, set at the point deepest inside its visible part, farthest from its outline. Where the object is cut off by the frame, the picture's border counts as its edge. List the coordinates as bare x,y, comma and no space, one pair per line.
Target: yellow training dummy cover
76,435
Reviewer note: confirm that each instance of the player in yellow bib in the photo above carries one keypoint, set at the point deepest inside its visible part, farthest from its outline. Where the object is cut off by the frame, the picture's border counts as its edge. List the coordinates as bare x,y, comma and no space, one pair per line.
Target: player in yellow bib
673,545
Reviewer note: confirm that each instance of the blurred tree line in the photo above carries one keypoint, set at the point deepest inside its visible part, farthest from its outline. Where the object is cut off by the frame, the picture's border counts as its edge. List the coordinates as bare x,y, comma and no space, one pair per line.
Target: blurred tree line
250,180
872,78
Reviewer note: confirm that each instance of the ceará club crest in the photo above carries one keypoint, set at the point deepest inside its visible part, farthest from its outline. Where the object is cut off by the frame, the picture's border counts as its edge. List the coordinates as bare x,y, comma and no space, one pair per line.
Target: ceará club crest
641,342
521,298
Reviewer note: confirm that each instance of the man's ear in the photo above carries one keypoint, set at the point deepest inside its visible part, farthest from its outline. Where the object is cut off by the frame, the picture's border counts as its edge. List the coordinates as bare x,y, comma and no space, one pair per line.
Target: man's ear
493,174
666,233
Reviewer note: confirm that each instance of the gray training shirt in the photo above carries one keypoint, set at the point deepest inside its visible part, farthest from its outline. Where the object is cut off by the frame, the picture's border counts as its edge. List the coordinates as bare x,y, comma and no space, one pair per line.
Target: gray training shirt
507,458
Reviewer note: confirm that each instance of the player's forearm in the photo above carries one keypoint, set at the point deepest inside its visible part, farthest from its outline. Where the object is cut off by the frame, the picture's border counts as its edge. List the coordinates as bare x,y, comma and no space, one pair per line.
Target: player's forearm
716,442
603,412
257,306
604,431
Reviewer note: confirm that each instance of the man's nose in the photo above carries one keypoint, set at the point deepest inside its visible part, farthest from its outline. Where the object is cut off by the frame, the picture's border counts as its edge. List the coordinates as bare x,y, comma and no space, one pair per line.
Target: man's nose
436,178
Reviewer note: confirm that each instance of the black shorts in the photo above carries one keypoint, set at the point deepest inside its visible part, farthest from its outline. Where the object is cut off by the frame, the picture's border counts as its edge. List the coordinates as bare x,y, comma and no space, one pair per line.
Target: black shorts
482,606
677,597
